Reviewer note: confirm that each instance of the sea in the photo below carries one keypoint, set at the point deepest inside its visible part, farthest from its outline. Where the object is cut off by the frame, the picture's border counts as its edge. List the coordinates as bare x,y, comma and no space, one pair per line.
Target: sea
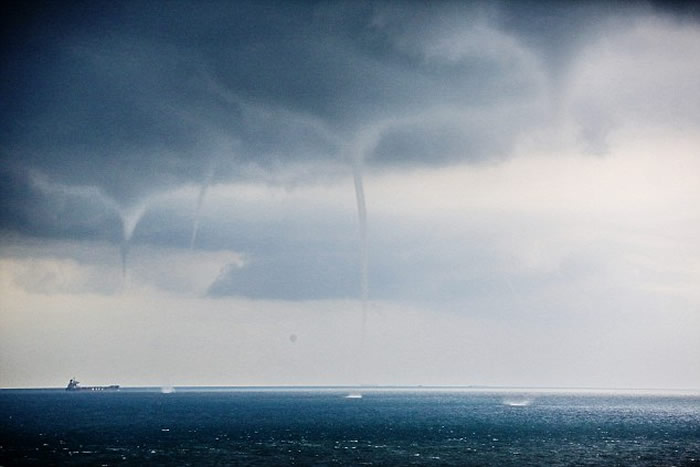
349,426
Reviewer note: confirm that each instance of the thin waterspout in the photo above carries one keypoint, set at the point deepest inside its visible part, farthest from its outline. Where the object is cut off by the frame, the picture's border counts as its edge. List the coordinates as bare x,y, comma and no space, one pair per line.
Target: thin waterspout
198,209
364,255
130,217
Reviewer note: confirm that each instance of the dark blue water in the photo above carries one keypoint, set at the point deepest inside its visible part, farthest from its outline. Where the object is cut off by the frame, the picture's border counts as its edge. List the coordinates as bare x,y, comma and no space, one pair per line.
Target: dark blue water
322,427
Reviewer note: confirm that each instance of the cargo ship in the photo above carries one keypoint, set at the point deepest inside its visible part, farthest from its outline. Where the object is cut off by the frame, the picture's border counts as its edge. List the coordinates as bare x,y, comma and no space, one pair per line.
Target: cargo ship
74,385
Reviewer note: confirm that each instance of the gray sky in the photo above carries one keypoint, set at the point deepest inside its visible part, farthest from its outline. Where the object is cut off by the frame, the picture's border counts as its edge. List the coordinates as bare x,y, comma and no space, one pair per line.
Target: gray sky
177,202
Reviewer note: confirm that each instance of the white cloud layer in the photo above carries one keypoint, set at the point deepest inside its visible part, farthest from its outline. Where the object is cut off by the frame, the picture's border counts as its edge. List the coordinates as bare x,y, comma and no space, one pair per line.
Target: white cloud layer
544,270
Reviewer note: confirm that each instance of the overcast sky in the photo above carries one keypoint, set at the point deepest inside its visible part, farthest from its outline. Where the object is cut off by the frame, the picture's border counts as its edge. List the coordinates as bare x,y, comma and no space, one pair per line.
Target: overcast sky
183,188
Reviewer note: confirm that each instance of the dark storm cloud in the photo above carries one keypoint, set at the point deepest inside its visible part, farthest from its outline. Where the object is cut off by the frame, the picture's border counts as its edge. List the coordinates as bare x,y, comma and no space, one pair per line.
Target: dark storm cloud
25,208
110,103
133,98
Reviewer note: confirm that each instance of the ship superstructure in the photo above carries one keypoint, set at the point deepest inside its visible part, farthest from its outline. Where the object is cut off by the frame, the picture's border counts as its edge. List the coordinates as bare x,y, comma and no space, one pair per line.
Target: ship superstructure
74,385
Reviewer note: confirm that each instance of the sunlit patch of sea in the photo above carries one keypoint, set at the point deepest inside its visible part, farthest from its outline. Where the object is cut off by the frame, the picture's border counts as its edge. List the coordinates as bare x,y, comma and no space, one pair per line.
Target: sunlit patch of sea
317,426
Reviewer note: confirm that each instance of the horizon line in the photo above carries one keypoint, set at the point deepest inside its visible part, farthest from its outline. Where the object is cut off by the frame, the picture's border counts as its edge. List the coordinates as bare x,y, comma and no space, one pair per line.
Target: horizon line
377,386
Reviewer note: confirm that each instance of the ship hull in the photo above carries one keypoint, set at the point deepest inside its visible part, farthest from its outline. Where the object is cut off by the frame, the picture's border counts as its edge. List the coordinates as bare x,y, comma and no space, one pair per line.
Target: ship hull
114,387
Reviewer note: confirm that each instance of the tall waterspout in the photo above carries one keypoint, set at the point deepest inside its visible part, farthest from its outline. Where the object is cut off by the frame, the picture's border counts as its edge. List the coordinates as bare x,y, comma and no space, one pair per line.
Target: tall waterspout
364,255
363,144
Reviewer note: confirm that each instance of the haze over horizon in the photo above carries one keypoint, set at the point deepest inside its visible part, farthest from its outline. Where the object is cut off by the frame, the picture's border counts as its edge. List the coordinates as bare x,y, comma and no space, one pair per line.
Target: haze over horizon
204,193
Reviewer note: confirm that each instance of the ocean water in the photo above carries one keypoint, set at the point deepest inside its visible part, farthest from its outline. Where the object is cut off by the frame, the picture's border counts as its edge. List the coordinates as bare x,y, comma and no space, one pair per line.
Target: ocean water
324,427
